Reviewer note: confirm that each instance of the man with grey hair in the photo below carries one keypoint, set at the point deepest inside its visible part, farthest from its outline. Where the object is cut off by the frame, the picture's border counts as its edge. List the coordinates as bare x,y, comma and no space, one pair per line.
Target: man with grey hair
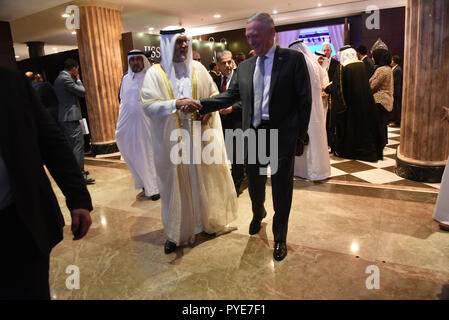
274,88
231,117
329,63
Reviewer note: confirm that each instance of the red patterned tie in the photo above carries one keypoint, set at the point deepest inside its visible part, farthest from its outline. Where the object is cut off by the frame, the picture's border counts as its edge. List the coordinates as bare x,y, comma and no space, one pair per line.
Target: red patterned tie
223,84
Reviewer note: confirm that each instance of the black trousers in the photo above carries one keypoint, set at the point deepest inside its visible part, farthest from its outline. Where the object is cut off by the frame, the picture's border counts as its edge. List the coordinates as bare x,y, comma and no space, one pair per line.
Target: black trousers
238,169
282,190
23,267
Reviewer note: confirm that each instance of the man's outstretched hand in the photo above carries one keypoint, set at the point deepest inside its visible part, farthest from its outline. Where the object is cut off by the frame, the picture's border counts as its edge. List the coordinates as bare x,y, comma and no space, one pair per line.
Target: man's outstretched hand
187,105
81,222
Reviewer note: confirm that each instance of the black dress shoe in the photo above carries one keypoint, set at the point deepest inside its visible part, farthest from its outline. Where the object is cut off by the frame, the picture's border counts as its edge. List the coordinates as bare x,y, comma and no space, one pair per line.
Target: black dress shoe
86,179
254,226
89,181
280,251
169,247
155,197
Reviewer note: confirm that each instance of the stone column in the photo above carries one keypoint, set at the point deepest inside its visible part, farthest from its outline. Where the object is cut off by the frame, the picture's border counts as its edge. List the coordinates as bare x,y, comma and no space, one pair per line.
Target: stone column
35,51
424,144
100,59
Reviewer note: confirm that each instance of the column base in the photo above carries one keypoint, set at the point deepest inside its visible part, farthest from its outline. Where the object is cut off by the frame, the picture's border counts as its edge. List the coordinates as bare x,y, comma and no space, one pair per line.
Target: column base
417,172
104,148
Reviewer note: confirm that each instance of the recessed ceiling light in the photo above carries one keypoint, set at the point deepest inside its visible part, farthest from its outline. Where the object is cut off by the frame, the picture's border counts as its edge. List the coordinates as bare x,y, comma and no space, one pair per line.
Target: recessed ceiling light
73,32
319,4
17,57
217,16
65,15
55,48
275,12
150,29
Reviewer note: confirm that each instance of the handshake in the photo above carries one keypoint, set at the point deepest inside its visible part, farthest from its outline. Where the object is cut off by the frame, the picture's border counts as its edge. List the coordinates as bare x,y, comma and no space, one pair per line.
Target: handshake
188,105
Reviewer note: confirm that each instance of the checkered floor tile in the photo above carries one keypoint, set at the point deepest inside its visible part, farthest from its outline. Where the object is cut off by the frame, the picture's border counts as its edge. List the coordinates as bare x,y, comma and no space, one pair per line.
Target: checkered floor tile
379,173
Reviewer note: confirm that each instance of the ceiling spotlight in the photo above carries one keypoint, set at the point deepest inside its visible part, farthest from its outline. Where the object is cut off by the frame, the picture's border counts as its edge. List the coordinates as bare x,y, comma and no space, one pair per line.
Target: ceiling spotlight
65,15
150,29
55,48
319,4
73,32
217,16
17,57
275,12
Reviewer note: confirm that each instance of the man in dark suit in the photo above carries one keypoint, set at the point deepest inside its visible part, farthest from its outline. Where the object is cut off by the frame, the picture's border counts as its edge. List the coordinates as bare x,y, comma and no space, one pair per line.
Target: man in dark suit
68,87
31,223
332,64
274,88
231,117
213,71
47,95
362,52
397,95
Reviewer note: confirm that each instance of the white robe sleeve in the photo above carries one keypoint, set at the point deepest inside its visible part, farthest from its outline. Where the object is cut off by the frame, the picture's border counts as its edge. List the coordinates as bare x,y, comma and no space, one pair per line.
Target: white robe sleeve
154,98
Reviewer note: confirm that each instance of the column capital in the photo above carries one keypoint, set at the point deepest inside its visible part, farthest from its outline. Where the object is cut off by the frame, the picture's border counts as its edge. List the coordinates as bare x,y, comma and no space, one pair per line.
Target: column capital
98,3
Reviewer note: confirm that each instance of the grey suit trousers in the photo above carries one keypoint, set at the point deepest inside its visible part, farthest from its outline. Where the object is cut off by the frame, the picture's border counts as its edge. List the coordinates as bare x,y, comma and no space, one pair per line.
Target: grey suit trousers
74,134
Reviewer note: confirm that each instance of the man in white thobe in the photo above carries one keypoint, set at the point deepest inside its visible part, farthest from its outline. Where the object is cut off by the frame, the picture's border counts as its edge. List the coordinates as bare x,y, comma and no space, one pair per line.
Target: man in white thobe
196,196
314,163
133,133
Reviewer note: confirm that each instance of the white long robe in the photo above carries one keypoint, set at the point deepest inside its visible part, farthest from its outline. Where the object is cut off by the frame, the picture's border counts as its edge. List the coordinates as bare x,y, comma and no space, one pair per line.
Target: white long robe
441,213
314,164
133,135
195,197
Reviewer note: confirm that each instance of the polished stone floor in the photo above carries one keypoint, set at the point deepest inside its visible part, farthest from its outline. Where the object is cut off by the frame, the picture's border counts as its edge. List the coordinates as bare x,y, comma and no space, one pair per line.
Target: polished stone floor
336,232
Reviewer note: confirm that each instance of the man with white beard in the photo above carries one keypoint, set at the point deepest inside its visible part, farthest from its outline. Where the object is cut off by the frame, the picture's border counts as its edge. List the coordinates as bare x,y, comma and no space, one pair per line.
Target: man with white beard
197,196
133,135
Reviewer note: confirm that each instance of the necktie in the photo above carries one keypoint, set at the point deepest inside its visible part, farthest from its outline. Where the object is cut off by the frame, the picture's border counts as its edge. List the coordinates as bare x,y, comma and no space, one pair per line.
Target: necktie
258,91
223,83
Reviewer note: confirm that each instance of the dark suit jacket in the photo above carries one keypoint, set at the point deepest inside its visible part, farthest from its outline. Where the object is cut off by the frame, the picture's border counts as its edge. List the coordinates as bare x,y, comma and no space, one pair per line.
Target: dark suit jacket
290,97
397,76
232,120
48,97
332,67
68,92
29,139
369,65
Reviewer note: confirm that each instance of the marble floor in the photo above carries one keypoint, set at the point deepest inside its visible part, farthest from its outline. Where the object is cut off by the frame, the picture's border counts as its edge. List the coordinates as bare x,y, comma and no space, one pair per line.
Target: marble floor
337,233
